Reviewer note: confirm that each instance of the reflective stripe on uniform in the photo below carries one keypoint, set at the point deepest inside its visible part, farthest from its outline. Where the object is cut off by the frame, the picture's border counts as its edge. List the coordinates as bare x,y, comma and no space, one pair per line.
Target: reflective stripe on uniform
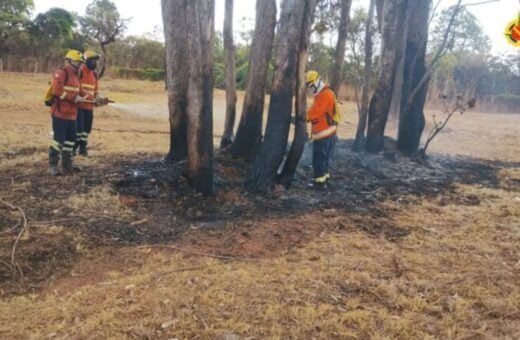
71,88
67,149
325,133
69,144
55,145
88,86
63,95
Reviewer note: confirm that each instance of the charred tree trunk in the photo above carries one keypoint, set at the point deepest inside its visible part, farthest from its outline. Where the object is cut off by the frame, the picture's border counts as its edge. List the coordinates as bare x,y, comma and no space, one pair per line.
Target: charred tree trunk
339,57
272,149
192,22
231,91
176,39
359,143
249,133
300,129
394,27
411,117
397,95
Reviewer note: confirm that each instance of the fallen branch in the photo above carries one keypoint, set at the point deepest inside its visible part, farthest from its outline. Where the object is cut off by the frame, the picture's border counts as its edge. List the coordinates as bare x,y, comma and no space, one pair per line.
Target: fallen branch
24,230
191,252
371,192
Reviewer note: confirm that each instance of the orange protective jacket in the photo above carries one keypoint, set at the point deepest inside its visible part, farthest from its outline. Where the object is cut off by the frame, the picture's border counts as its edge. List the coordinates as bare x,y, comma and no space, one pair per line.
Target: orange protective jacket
320,114
89,83
65,88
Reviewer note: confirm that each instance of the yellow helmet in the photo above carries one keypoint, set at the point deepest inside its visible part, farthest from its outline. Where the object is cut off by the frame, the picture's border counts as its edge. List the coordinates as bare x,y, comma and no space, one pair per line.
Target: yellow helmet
74,55
312,76
89,54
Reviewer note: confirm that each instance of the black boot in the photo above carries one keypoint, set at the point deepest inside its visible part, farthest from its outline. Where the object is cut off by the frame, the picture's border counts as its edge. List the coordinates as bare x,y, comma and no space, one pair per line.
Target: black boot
66,162
83,148
54,158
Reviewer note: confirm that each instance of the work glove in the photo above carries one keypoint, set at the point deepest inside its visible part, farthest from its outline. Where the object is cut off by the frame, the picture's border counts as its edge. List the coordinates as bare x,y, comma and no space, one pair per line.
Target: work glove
78,99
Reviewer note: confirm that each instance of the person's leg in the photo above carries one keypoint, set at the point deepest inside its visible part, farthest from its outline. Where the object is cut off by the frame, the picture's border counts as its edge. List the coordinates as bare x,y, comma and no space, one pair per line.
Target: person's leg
319,158
79,128
68,147
331,145
88,117
59,135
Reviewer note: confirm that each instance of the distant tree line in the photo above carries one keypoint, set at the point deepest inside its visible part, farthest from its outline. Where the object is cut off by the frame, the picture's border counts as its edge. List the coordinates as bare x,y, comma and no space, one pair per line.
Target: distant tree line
466,67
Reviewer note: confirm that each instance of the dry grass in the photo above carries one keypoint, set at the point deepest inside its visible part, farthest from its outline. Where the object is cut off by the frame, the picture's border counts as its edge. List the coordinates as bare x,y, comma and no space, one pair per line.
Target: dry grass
455,276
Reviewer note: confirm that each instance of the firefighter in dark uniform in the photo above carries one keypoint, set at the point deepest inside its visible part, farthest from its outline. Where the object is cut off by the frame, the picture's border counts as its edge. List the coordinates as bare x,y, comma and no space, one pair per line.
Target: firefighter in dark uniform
66,95
89,83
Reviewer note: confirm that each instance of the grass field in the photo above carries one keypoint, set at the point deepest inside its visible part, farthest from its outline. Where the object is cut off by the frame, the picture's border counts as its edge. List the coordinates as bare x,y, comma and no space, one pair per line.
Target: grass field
395,250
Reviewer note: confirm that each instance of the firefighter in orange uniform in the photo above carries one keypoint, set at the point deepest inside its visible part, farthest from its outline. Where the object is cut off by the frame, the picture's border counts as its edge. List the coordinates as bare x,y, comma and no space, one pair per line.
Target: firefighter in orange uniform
89,83
323,128
66,94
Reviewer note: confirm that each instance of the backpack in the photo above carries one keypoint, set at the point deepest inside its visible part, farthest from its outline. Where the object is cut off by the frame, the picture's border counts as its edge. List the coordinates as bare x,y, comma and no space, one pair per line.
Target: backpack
50,99
336,117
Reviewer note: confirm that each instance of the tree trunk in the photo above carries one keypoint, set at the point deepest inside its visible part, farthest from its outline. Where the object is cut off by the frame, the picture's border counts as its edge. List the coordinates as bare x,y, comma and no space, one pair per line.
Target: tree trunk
300,129
249,133
339,56
176,39
273,147
359,143
411,118
104,59
192,22
231,91
379,9
394,27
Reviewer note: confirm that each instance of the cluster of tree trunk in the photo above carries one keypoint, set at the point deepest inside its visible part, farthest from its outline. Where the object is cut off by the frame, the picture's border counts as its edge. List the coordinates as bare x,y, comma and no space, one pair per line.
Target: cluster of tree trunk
188,28
403,79
273,148
249,133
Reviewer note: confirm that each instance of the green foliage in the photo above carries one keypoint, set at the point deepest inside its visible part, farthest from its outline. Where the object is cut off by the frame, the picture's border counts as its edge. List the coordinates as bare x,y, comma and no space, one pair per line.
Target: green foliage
14,15
320,58
466,33
327,16
102,22
137,52
53,28
241,63
219,75
143,74
153,74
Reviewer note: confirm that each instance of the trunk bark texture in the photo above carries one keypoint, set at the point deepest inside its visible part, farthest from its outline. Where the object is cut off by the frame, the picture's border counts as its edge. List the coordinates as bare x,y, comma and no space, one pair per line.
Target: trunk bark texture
273,147
300,129
231,91
359,143
394,27
339,56
411,117
249,133
192,22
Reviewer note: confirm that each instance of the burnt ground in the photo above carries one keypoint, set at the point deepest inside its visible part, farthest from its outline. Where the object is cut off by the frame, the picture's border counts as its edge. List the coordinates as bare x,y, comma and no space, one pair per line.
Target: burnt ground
156,206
